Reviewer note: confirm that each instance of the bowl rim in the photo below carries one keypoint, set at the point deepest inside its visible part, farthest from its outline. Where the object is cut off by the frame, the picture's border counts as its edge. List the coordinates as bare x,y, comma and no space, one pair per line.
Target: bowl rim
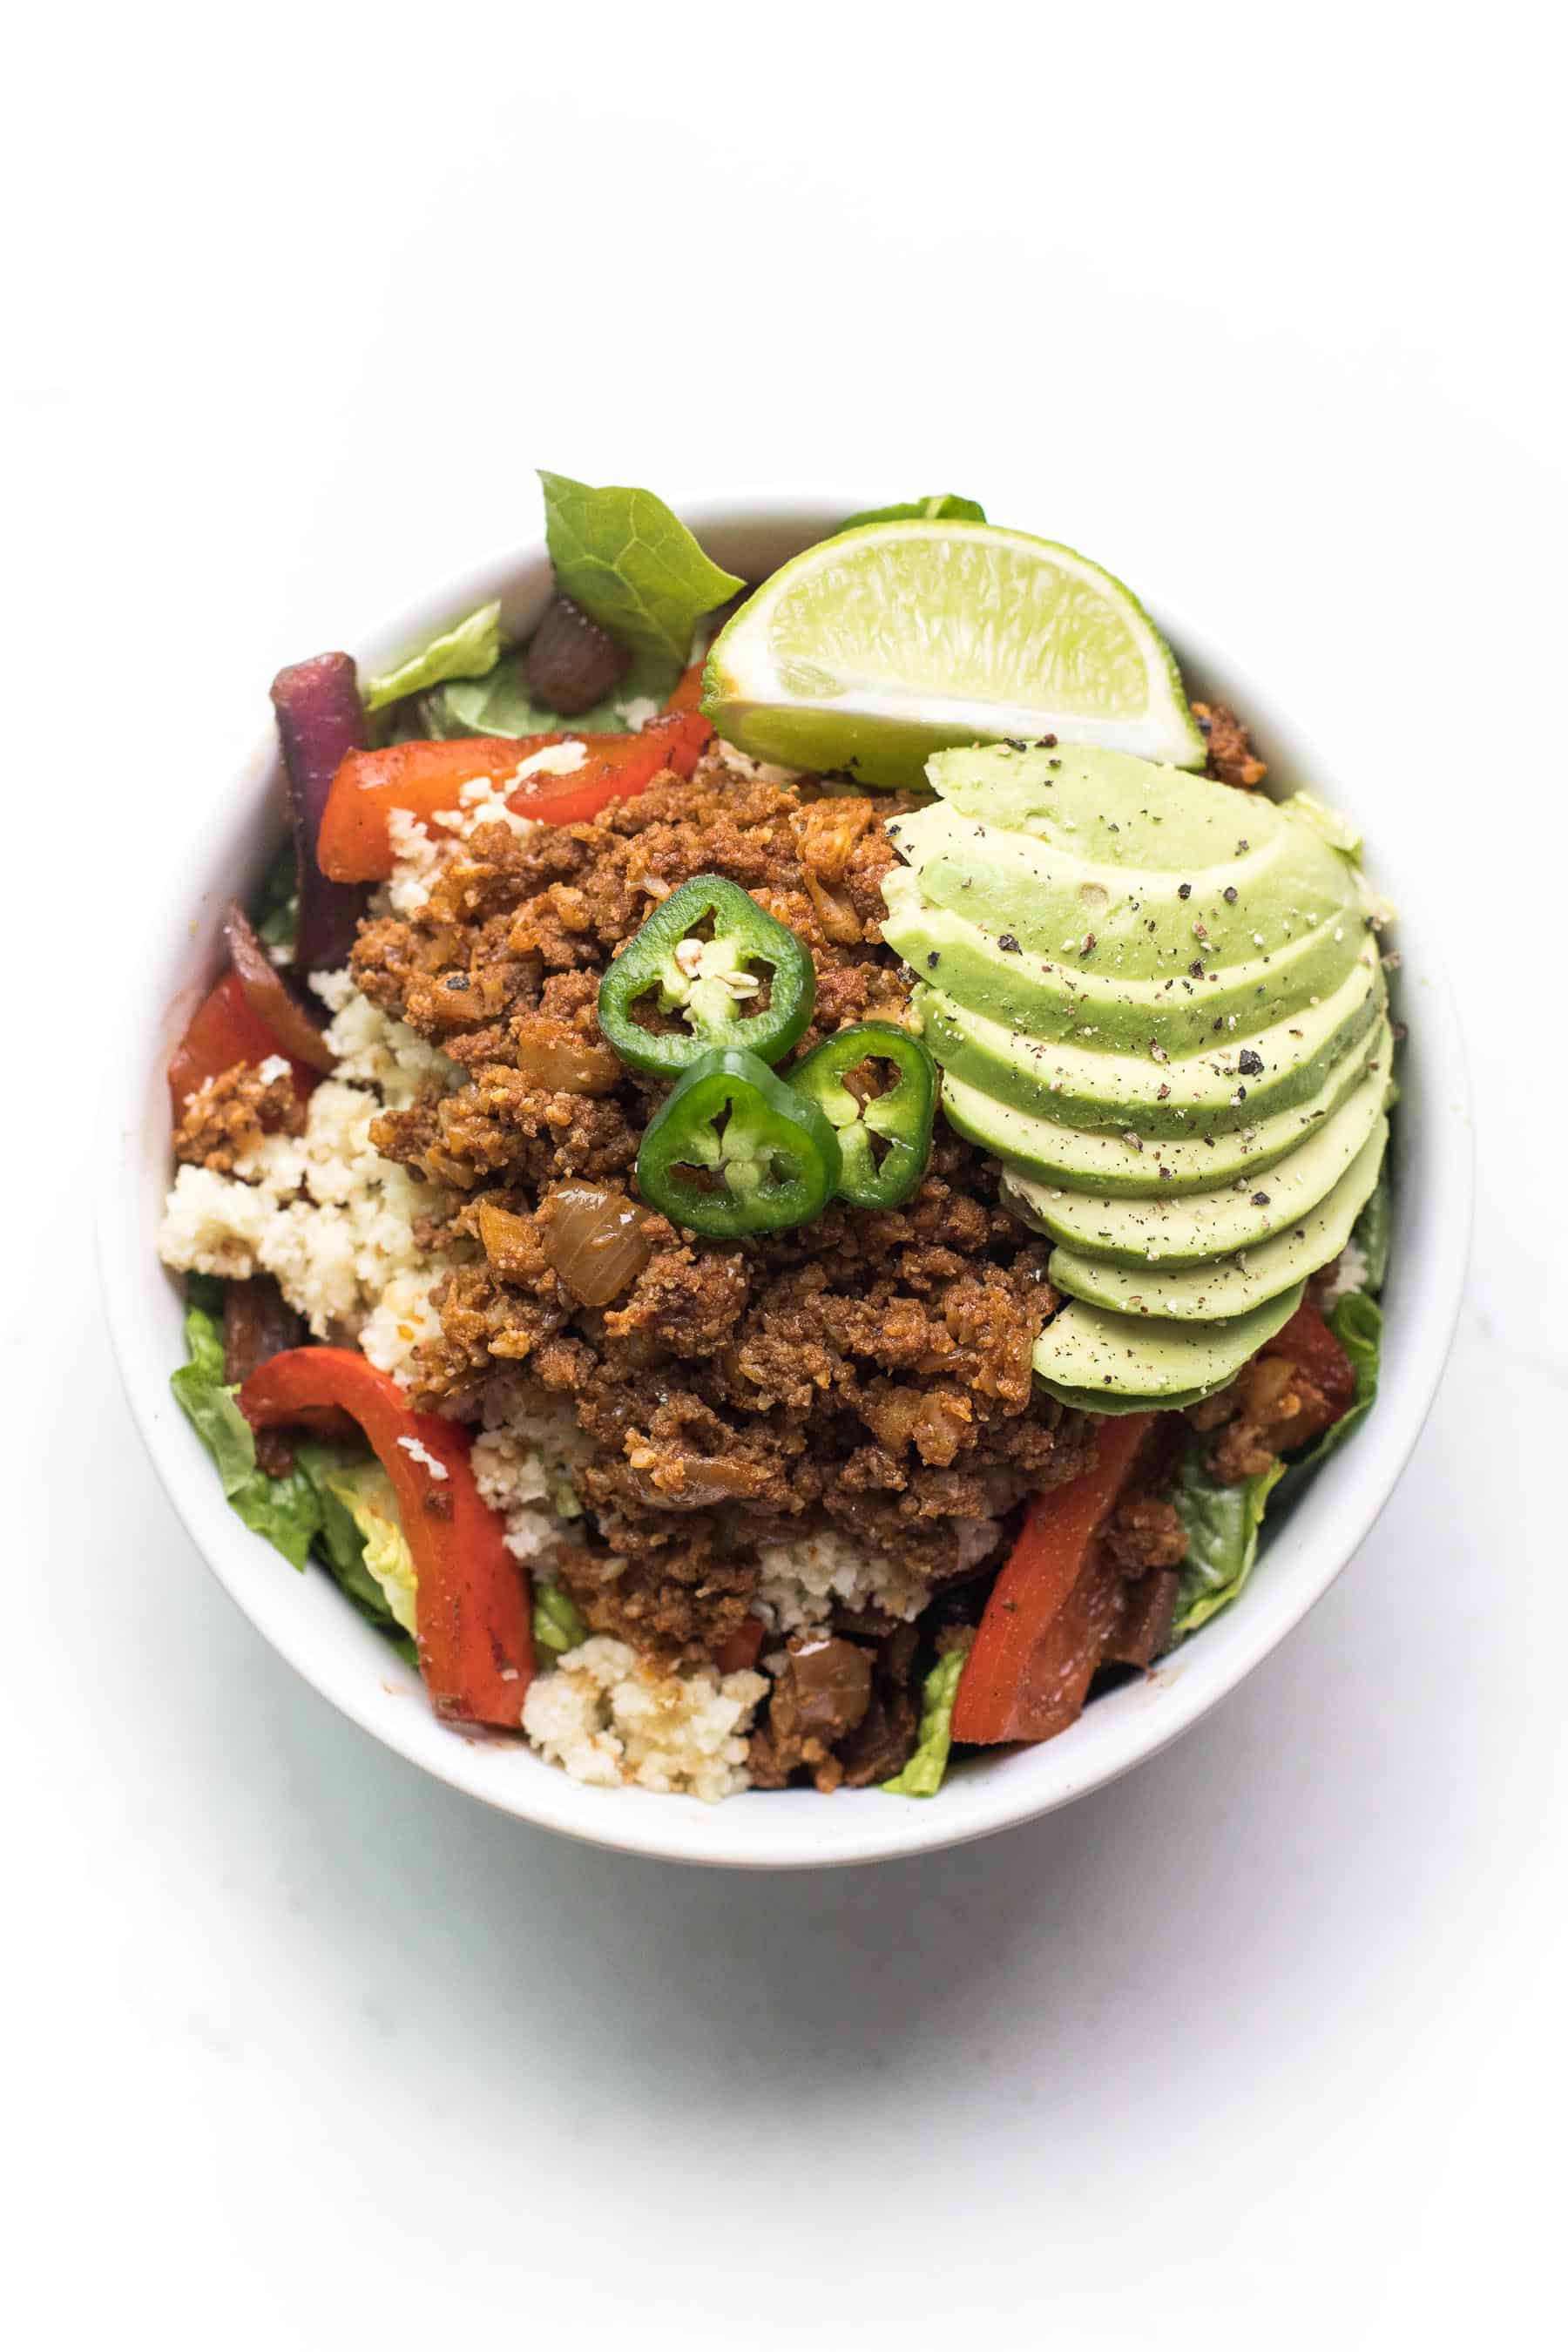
1330,1518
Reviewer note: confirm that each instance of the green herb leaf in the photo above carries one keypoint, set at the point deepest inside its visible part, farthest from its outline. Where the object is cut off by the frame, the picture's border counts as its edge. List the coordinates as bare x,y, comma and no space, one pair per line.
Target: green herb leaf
558,1624
468,648
285,1510
636,569
942,505
1222,1524
922,1775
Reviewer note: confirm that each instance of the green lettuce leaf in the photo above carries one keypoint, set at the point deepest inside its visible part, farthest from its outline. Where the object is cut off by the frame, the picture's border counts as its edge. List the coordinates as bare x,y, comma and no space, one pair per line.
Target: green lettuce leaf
1222,1524
1373,1230
344,1546
922,1775
942,505
362,1490
558,1622
1223,1521
503,705
1357,1324
285,1510
468,648
636,569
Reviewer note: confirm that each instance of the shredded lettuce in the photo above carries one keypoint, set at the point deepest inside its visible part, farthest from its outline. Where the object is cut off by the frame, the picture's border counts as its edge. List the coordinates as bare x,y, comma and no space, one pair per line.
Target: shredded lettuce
922,1775
635,568
942,505
286,1511
558,1622
468,648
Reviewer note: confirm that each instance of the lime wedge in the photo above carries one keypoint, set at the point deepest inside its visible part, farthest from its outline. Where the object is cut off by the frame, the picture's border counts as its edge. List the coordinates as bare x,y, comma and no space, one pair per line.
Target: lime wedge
878,647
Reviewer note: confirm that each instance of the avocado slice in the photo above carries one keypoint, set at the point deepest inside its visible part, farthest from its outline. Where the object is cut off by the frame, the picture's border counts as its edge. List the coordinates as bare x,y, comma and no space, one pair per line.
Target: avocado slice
1231,1285
1081,1160
1232,1085
1124,868
1191,1228
1090,1352
1056,998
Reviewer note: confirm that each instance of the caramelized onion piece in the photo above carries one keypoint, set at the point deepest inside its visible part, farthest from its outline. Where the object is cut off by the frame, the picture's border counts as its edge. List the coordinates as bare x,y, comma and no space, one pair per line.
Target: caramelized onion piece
560,1058
571,662
511,1243
592,1239
268,995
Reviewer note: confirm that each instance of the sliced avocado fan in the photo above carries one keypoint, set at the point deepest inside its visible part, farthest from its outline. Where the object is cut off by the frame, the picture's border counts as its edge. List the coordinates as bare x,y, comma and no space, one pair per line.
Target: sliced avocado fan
1160,1002
1224,1286
1089,1353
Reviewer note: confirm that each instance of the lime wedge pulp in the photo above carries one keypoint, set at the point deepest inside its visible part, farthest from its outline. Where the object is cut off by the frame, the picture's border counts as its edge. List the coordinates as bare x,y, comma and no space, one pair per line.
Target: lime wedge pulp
883,644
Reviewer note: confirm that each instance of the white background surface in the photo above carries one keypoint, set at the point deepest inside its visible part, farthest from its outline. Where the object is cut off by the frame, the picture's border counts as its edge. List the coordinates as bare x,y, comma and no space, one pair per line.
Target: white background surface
1263,308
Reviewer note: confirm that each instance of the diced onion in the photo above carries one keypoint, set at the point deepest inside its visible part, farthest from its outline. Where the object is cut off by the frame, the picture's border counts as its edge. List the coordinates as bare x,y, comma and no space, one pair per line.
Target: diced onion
592,1239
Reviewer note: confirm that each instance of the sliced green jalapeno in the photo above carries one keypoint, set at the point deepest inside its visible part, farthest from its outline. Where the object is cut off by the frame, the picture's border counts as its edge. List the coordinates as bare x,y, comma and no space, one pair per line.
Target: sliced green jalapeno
716,983
733,1149
899,1117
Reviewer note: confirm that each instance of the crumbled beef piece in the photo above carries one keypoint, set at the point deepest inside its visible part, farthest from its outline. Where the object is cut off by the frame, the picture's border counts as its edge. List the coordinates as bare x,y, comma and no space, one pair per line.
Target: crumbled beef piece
1270,1409
1232,760
229,1115
674,1597
1144,1534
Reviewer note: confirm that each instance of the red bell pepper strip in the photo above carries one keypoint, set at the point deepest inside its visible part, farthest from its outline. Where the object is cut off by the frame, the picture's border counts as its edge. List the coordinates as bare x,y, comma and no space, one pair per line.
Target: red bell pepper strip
1307,1342
1041,1636
424,779
224,1030
618,767
739,1654
472,1603
687,691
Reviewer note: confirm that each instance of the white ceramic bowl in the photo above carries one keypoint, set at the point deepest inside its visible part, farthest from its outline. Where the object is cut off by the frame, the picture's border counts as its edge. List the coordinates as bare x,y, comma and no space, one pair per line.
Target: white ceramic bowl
171,959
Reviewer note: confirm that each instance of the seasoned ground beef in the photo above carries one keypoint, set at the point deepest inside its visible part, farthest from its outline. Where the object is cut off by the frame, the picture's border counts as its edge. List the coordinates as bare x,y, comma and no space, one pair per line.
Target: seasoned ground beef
1232,760
871,1370
228,1116
1270,1408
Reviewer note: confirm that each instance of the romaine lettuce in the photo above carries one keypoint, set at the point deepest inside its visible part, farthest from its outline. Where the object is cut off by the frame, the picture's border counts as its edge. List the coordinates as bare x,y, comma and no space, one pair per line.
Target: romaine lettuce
635,568
1357,1324
360,1487
503,705
285,1510
359,1542
1223,1521
922,1775
468,648
1222,1524
942,505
